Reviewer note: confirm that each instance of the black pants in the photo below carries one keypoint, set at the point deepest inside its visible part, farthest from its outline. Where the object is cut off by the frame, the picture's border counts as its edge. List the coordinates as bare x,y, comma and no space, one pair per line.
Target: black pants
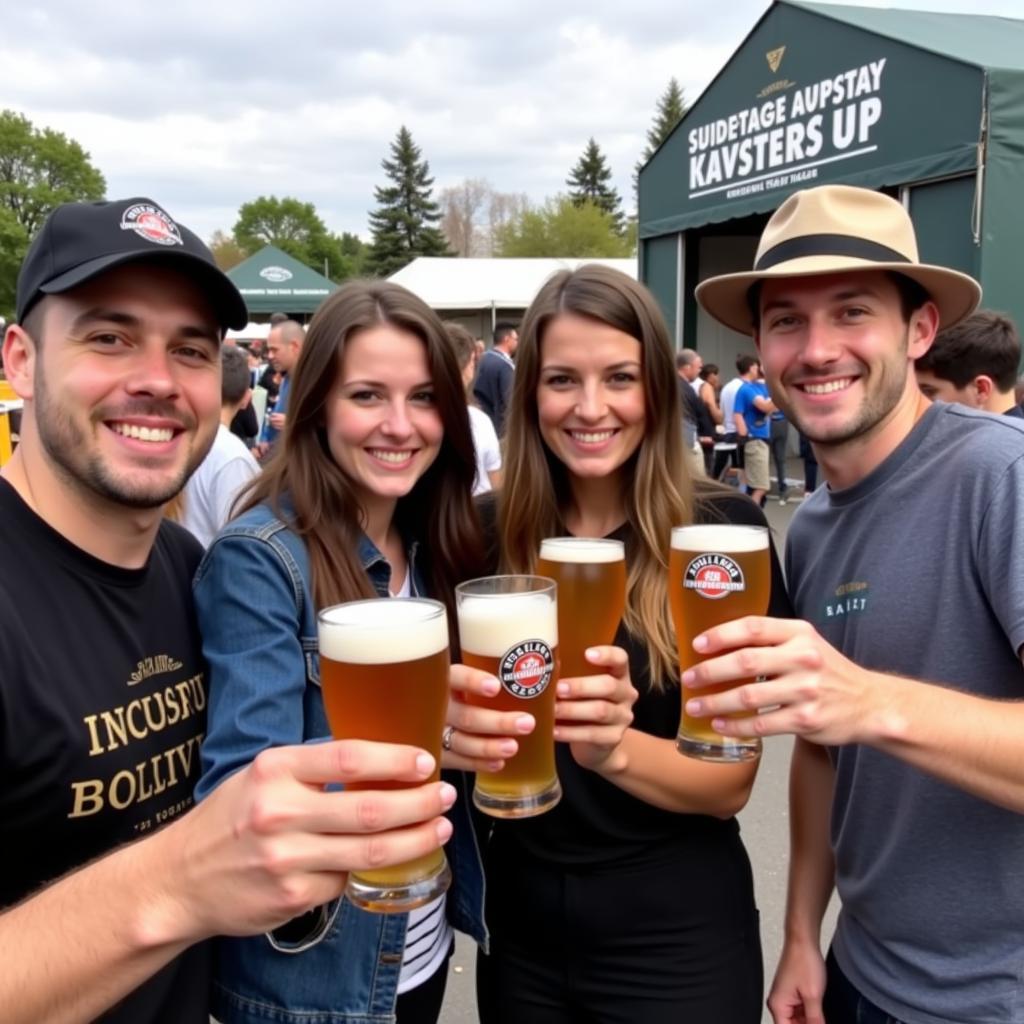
843,1004
726,458
657,943
422,1005
810,465
709,459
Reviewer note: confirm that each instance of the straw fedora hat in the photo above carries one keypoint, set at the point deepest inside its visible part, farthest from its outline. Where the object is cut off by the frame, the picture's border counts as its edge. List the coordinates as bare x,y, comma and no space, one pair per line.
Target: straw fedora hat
829,230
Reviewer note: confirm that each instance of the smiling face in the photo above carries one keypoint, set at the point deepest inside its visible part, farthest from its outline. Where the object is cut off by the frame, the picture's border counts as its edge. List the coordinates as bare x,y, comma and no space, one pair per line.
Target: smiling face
126,384
590,396
383,426
838,353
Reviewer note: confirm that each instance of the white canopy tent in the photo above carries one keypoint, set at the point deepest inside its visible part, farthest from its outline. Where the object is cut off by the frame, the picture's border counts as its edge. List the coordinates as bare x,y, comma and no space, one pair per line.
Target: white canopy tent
480,292
250,332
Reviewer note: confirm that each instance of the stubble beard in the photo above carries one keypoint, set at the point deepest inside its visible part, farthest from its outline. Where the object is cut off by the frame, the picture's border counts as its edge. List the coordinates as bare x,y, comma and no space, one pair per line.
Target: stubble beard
67,446
890,382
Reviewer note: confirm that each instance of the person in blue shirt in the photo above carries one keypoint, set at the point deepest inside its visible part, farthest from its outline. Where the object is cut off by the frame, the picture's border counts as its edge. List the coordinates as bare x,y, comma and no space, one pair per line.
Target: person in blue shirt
752,411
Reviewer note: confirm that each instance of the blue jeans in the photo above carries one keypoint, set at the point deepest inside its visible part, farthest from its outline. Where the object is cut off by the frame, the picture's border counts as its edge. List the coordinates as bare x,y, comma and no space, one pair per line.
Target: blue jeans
779,443
810,465
843,1004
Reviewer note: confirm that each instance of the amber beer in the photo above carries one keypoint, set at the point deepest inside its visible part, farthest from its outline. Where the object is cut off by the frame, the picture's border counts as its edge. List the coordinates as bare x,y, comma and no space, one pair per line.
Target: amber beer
716,574
508,626
591,578
384,677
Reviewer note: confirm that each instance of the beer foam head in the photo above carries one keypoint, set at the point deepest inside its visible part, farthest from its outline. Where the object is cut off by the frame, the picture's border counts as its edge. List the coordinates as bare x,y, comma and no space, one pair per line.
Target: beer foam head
581,549
724,538
491,624
383,631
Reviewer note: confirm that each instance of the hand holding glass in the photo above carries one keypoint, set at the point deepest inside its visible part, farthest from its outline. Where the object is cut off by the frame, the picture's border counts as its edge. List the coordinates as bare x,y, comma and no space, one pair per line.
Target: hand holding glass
716,574
508,626
384,677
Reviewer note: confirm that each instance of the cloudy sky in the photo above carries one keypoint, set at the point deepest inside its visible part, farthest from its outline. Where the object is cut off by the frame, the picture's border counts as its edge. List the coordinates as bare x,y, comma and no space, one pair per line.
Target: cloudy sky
204,105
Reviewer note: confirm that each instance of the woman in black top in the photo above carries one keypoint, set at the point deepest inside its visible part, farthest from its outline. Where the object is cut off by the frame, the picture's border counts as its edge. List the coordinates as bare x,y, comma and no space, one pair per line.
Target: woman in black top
631,901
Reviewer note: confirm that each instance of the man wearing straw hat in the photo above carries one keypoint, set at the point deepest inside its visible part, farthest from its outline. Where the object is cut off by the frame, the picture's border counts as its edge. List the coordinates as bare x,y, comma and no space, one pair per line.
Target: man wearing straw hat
904,683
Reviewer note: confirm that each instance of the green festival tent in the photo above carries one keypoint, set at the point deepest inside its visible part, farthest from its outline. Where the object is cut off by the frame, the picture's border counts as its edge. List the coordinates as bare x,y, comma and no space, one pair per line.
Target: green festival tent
926,107
271,281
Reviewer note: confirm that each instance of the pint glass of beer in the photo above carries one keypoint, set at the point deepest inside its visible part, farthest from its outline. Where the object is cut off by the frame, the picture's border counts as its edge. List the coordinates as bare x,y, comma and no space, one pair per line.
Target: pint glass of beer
591,578
716,574
508,626
384,677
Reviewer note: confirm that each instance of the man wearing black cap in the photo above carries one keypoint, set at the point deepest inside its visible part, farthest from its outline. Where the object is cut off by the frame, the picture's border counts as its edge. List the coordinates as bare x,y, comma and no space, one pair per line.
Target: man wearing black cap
904,682
116,354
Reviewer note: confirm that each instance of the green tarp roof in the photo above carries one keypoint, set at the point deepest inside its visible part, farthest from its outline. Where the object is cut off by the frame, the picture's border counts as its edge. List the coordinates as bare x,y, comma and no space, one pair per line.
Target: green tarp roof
932,79
941,111
982,40
271,281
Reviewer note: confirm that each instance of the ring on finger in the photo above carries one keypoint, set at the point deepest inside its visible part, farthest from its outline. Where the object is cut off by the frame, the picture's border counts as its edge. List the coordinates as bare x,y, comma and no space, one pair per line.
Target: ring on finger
446,737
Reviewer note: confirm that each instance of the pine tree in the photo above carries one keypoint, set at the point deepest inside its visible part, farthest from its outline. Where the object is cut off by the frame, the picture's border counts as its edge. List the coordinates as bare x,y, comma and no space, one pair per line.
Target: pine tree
590,181
404,224
672,108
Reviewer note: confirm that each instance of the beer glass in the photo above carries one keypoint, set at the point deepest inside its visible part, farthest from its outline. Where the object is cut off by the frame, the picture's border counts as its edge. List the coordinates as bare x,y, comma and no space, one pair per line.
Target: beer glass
384,677
508,626
716,574
591,578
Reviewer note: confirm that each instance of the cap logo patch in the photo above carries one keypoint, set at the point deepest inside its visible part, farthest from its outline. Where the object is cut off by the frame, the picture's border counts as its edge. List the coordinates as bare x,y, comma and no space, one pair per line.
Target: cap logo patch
276,274
151,223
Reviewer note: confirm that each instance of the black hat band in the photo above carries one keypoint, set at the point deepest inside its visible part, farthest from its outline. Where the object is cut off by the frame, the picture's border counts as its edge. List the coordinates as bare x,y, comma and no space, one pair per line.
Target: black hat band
829,245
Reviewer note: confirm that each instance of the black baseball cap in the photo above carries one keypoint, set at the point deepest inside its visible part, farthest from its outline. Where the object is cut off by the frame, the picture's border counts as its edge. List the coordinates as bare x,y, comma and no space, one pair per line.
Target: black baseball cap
78,241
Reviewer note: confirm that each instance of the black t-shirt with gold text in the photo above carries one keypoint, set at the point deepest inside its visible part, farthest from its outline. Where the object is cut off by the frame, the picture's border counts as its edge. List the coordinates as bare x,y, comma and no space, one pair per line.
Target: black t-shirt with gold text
102,712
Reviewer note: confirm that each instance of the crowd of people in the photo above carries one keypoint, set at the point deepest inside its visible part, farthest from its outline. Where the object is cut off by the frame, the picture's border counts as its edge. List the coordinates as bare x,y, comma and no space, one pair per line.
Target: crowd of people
176,816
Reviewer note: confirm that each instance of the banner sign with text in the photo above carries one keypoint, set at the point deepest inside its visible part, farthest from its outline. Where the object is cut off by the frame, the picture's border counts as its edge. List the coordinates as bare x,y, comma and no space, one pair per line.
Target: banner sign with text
810,100
786,139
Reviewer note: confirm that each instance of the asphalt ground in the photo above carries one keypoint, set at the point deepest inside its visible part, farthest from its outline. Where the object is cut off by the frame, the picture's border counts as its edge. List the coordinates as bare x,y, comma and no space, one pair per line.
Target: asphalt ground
765,828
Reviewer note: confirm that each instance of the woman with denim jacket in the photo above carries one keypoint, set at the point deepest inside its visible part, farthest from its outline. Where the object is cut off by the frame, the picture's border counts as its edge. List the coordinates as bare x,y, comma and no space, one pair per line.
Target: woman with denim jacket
368,495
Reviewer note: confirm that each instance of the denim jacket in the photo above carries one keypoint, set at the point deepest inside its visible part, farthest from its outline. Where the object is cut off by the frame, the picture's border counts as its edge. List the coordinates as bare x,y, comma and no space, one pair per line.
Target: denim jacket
339,963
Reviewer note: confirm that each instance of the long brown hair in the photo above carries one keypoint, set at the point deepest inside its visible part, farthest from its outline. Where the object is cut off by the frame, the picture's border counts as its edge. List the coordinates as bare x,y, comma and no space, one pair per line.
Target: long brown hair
657,492
306,487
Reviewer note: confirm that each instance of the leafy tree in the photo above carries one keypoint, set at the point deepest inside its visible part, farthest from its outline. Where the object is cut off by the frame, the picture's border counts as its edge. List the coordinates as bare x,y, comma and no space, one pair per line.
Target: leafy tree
354,252
226,251
14,241
672,107
590,181
297,229
293,226
39,169
561,228
404,225
503,209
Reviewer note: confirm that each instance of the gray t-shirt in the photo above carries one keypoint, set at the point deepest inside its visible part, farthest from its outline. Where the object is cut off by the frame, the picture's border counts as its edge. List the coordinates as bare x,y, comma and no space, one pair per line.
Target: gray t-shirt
918,570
